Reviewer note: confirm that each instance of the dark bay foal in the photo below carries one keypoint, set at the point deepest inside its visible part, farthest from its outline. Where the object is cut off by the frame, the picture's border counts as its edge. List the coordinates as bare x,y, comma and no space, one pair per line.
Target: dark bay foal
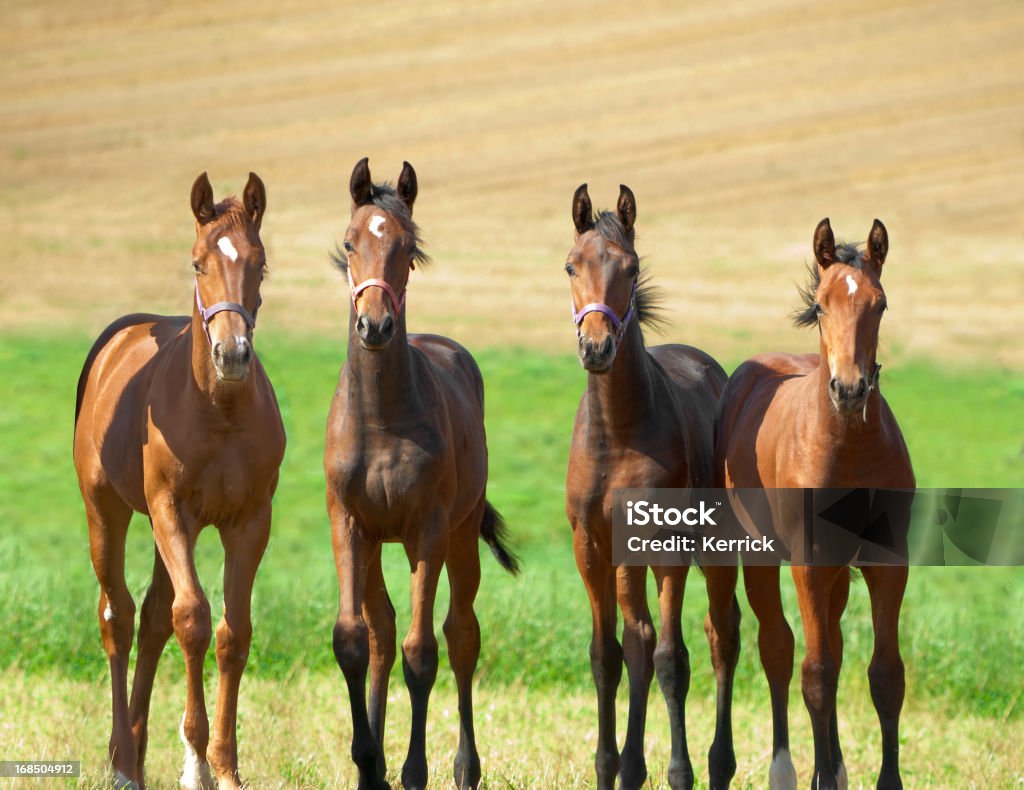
406,462
645,421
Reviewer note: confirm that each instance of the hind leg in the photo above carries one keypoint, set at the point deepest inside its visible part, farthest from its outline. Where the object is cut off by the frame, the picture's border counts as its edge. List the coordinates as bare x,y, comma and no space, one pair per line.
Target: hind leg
885,673
672,665
462,631
775,645
155,628
722,627
379,613
108,518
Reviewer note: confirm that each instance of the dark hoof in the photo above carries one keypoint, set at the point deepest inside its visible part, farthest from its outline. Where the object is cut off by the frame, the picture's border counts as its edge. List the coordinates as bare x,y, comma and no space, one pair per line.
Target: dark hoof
467,773
680,777
632,777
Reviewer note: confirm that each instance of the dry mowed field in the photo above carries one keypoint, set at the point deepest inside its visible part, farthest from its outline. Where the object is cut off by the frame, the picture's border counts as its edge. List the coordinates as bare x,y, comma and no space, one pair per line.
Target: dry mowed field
738,125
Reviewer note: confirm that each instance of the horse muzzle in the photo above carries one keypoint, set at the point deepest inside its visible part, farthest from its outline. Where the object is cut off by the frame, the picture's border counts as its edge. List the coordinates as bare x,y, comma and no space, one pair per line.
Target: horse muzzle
232,357
375,335
848,397
597,356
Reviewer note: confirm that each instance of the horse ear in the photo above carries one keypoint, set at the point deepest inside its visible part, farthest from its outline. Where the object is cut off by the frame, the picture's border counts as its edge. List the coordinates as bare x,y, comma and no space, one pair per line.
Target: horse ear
202,199
407,186
627,208
360,186
824,244
254,198
878,243
582,210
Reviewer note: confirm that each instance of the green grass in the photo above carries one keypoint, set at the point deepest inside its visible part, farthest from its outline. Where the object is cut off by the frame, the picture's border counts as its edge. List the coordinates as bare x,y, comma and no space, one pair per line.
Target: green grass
963,639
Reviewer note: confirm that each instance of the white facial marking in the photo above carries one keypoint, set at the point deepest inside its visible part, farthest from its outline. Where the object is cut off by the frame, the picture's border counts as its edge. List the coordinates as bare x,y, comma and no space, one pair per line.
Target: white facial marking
227,247
851,284
108,613
782,774
195,774
375,224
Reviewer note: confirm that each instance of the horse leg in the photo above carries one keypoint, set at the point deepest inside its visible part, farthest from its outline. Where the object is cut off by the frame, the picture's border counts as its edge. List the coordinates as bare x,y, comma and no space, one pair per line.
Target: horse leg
638,648
775,645
379,613
722,628
886,585
462,631
190,615
820,670
352,554
837,605
108,518
672,664
244,545
605,652
155,628
419,648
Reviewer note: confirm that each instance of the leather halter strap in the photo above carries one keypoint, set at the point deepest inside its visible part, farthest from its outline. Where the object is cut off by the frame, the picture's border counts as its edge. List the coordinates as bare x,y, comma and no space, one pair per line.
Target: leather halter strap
397,300
618,324
207,313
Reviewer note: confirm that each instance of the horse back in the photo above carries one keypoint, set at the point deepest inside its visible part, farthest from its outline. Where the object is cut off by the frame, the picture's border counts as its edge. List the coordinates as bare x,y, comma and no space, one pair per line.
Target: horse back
458,373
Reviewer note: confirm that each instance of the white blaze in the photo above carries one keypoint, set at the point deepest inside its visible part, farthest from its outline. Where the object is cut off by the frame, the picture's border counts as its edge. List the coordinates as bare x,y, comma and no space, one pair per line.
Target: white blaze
229,249
851,284
375,224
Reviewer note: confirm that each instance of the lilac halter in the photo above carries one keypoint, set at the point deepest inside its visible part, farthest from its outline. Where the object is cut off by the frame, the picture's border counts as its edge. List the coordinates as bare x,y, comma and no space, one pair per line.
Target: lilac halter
397,300
618,324
207,313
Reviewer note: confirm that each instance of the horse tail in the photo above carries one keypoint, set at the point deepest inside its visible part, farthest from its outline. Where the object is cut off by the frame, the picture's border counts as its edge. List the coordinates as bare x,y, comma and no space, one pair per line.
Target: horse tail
495,534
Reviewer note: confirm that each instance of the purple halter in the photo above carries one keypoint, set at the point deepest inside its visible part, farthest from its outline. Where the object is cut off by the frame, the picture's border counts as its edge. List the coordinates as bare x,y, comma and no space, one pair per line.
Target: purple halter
618,324
397,301
207,313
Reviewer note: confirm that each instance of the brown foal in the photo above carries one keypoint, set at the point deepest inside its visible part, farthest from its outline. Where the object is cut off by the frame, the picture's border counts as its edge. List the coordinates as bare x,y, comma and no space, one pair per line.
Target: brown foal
819,421
406,462
177,419
645,421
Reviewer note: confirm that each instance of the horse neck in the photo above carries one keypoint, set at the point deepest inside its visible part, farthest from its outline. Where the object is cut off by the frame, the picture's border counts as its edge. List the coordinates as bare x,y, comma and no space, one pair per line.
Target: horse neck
622,398
383,384
226,398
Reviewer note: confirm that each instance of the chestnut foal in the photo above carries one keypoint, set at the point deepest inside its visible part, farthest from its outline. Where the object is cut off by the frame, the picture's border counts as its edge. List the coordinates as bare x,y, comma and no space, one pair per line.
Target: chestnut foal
406,462
820,421
177,419
645,421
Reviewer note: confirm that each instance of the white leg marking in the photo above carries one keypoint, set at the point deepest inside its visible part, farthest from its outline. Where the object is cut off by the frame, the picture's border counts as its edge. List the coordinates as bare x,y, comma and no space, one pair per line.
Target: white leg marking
122,782
195,775
375,224
108,613
841,779
782,774
229,249
851,284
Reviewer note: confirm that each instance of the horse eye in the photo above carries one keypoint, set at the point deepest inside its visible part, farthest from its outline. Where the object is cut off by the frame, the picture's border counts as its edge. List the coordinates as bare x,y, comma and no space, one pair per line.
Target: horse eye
196,267
570,270
818,310
884,307
633,272
348,246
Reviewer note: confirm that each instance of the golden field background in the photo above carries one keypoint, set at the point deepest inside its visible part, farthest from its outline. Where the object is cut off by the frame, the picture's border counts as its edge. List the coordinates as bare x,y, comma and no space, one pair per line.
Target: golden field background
738,125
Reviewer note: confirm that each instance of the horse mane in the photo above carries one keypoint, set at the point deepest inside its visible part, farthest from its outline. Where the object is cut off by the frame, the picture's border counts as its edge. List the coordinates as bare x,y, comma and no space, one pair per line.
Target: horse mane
649,298
384,197
807,315
230,214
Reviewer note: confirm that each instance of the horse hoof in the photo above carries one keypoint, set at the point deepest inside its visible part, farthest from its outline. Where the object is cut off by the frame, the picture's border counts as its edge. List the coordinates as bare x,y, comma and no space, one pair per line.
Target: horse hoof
122,782
782,774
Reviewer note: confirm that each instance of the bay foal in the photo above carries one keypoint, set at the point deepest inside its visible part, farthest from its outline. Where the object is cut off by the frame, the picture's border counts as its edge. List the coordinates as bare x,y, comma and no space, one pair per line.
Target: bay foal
820,421
406,462
177,419
645,421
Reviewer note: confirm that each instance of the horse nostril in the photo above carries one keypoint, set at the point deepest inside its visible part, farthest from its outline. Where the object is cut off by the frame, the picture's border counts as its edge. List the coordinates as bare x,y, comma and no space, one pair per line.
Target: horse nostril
607,346
387,326
246,353
862,387
833,385
362,325
218,352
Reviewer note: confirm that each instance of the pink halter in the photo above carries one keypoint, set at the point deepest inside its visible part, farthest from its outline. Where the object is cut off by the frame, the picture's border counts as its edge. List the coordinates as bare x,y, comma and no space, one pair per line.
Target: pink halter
397,300
618,324
207,313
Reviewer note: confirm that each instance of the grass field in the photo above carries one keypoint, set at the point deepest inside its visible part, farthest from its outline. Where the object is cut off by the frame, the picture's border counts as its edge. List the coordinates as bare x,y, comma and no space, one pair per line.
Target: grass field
962,636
